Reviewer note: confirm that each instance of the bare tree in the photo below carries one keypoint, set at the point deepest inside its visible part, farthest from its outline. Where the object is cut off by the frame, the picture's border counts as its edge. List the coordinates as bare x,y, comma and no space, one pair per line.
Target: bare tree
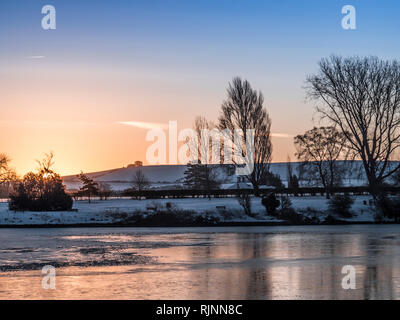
244,201
46,163
8,175
361,96
244,110
203,146
140,181
292,179
105,190
202,172
4,166
319,149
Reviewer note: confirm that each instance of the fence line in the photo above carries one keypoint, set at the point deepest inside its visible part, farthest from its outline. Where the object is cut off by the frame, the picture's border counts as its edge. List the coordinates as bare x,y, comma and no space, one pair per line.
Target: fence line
187,193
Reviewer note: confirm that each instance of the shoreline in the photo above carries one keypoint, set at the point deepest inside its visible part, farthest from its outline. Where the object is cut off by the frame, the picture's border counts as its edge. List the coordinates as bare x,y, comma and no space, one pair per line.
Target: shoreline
222,224
221,212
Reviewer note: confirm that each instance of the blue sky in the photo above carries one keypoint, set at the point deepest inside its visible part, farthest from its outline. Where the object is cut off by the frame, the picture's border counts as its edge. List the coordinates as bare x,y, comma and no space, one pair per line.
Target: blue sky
259,39
172,59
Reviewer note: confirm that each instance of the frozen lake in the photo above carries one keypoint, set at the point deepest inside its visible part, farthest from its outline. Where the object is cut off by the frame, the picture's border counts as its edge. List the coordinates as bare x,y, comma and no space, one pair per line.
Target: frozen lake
201,263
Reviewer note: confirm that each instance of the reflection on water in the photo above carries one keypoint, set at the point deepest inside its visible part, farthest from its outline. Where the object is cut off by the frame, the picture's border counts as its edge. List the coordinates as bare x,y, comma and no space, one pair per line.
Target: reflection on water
202,263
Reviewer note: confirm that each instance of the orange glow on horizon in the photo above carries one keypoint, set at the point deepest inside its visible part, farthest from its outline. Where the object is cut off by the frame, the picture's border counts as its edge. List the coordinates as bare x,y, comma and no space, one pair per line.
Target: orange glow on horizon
76,111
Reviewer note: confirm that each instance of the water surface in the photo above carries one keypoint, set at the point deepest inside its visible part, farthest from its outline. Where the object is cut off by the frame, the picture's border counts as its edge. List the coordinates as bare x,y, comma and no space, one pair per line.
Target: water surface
201,263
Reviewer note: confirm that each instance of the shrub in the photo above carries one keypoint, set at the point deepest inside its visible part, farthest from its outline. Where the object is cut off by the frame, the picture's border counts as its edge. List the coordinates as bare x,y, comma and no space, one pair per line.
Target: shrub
388,207
178,218
291,215
311,215
270,203
245,201
286,203
331,220
341,205
40,192
286,211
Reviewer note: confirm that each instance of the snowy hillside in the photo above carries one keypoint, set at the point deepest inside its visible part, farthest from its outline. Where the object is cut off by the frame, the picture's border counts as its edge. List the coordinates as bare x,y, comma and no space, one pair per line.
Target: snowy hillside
120,179
171,176
162,176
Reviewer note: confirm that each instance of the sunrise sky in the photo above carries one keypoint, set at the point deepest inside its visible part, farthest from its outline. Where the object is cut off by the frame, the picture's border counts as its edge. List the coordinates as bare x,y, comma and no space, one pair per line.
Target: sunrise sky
148,62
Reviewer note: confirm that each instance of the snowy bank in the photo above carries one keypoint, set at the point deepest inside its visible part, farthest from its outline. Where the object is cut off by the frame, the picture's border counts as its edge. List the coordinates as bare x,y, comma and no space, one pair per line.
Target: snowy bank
225,209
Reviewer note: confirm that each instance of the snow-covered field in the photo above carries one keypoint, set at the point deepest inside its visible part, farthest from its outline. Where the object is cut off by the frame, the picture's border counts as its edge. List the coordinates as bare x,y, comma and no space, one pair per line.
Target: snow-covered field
172,176
112,211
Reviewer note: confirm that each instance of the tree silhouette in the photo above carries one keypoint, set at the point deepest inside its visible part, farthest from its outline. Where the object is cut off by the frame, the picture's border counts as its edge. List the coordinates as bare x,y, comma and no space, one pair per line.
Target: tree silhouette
89,186
41,191
244,109
361,96
201,177
201,172
8,176
140,181
319,149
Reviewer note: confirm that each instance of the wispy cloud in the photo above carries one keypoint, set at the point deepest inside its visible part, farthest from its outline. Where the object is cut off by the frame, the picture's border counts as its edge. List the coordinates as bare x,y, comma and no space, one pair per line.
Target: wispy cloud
35,57
163,126
145,125
282,135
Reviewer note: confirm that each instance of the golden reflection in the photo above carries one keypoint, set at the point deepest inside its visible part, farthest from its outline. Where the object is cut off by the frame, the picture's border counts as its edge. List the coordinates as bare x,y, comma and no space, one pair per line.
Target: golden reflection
231,266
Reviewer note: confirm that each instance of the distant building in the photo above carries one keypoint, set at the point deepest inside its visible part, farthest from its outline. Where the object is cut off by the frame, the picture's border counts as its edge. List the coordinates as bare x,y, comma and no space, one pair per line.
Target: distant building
136,164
